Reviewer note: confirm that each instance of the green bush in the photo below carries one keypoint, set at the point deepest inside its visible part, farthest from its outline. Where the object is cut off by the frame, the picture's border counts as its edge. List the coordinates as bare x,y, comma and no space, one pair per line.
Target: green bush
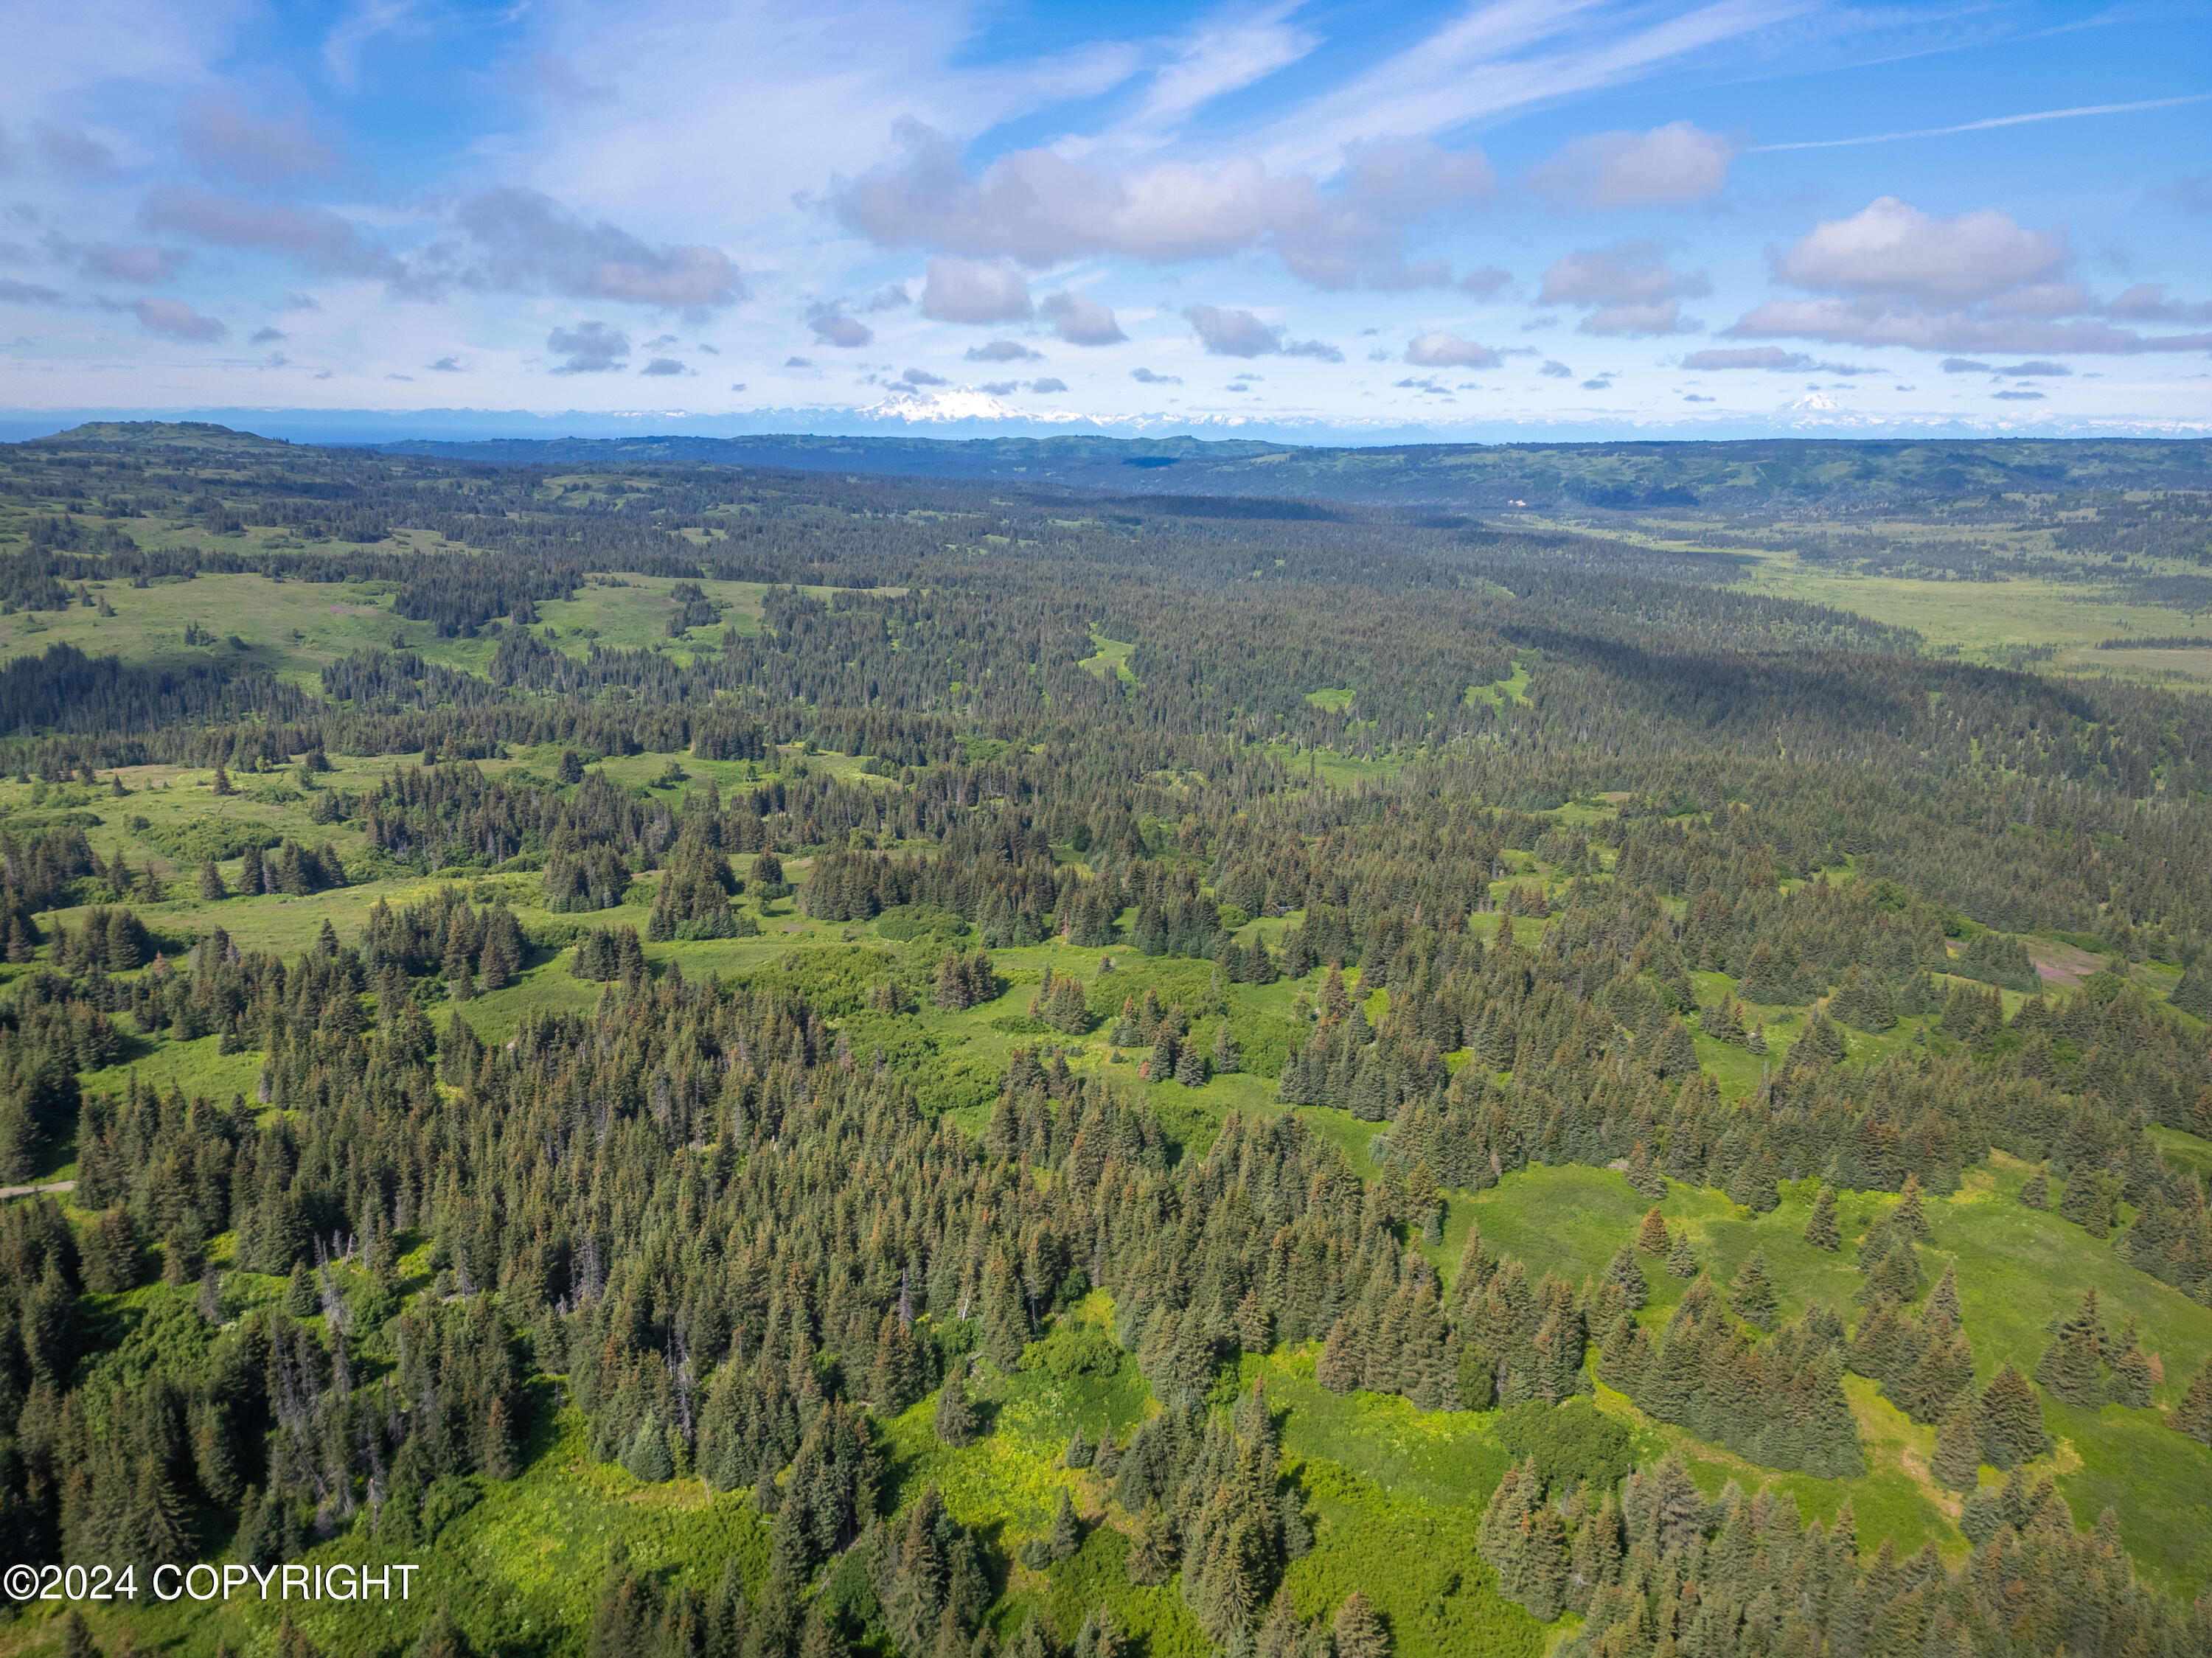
1569,1442
1074,1350
908,922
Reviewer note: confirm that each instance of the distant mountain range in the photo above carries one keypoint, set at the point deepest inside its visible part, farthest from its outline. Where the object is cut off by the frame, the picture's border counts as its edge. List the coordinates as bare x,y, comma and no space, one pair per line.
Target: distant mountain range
1475,476
1455,476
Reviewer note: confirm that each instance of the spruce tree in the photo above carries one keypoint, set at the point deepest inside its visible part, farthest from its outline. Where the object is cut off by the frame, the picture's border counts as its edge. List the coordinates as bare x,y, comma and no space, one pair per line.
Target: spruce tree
1651,1236
2069,1369
2131,1378
442,1638
499,1461
956,1417
301,1299
2086,1202
820,1638
2011,1421
1226,1060
1751,1292
1541,1560
1820,1229
2193,1415
1066,1535
1911,1215
2036,1193
1677,1508
1681,1259
1032,1641
1957,1463
1359,1630
1152,1558
1190,1064
1624,1274
1100,1635
211,881
1943,1300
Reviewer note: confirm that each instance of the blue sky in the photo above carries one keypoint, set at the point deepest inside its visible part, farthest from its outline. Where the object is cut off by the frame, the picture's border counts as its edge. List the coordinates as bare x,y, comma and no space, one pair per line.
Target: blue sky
1573,217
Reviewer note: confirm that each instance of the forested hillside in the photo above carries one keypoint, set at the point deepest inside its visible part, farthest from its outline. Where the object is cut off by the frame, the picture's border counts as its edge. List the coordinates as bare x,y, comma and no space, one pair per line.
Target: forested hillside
758,1063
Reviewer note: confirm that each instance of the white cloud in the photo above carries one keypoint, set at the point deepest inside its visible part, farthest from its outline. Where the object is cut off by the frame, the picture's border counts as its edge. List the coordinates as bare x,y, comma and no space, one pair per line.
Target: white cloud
1001,351
590,348
1892,248
833,326
175,321
518,240
1872,322
224,138
138,263
317,239
1634,290
1750,356
502,240
1663,317
1231,333
1672,166
2146,302
1441,351
974,291
1771,358
1080,319
1038,207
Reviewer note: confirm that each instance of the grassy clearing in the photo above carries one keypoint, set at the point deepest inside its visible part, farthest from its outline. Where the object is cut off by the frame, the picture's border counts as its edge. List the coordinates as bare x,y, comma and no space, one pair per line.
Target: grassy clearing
297,627
1111,656
1514,687
521,1568
1985,621
2018,1270
294,627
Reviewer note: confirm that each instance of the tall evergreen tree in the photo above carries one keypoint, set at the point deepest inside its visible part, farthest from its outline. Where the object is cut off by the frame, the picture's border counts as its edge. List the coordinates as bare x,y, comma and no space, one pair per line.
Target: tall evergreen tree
1957,1461
1751,1292
2011,1420
2193,1415
1358,1630
955,1421
2070,1368
1822,1230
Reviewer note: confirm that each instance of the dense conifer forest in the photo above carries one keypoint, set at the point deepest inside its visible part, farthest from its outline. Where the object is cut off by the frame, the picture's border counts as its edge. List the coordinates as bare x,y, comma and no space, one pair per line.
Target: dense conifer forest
754,1061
